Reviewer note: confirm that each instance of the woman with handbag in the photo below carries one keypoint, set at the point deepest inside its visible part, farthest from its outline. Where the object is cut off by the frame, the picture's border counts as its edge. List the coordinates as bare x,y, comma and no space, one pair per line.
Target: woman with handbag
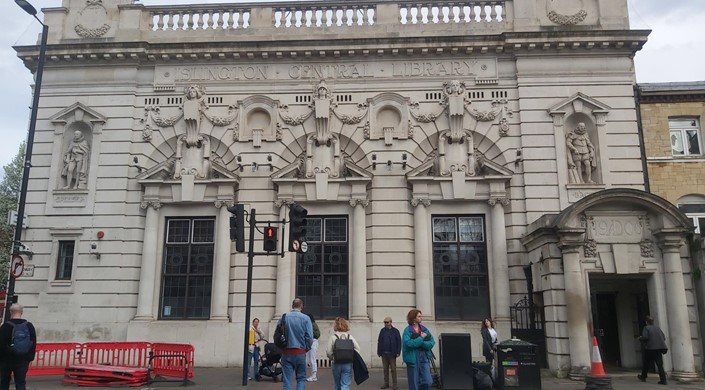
489,339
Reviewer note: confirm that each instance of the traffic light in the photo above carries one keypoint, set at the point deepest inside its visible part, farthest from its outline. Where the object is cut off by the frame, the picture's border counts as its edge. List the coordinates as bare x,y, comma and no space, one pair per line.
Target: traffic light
237,226
297,228
270,239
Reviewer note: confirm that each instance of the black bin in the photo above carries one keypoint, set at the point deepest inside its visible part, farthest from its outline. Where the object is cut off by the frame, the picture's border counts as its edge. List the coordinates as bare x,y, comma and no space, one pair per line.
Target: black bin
456,361
518,366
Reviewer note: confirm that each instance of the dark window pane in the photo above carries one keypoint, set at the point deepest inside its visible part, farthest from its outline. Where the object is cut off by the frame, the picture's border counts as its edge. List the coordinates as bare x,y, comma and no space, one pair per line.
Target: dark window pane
64,264
187,269
178,230
203,230
460,268
336,229
693,141
322,272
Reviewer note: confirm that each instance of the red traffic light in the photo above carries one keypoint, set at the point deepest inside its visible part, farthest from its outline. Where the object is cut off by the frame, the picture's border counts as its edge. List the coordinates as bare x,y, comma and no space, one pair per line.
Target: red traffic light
269,232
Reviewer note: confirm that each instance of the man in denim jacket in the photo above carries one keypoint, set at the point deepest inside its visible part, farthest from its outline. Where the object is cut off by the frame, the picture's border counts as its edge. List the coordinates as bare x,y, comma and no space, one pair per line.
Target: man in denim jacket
299,337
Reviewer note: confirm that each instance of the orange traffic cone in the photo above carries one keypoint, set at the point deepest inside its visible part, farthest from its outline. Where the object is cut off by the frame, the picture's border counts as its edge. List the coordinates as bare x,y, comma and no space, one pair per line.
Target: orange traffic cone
597,369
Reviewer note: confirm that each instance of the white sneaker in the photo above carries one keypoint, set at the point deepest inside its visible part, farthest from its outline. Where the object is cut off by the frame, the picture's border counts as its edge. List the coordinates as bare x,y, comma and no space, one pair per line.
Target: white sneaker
311,379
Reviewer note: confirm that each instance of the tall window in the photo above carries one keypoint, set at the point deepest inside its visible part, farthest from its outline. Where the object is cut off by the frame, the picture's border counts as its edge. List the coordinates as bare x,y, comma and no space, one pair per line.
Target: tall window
64,264
322,272
460,268
187,272
686,139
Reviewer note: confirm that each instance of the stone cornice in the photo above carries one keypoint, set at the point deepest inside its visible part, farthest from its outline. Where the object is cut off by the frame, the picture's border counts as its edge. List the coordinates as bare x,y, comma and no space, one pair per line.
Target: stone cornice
198,50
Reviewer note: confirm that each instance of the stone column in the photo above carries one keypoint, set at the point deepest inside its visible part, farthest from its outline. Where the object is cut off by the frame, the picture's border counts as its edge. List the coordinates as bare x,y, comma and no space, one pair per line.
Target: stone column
221,268
358,281
422,262
148,270
500,265
285,271
576,301
681,348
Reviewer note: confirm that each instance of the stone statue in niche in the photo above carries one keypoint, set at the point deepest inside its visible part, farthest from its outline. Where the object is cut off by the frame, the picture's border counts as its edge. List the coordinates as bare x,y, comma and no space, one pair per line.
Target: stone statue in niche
76,162
194,106
581,156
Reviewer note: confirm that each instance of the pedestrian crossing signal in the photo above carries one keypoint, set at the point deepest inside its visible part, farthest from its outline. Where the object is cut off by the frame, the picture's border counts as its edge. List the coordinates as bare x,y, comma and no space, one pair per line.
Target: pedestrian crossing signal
270,239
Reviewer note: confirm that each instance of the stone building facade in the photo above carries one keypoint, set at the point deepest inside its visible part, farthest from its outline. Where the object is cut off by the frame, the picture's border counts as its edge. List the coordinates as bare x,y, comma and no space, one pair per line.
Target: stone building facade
671,115
460,159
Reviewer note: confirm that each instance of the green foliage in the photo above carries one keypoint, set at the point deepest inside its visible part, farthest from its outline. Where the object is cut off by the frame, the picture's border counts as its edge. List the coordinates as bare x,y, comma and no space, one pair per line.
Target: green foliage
9,195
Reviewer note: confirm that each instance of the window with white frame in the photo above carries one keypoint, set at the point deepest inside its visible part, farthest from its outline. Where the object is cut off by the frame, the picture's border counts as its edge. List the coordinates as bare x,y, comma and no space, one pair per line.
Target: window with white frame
64,262
460,278
187,271
685,137
696,213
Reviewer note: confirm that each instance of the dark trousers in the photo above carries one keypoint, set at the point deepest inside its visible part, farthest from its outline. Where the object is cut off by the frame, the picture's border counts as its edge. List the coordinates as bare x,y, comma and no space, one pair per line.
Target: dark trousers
389,363
18,369
653,356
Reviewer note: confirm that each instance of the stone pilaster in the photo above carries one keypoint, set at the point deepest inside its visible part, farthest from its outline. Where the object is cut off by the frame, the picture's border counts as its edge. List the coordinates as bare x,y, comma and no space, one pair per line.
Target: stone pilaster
221,268
499,260
358,285
422,261
285,269
148,270
681,350
576,300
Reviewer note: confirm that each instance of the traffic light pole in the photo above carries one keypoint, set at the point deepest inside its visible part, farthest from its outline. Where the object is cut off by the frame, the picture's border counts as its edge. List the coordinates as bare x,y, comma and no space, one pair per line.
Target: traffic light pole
248,300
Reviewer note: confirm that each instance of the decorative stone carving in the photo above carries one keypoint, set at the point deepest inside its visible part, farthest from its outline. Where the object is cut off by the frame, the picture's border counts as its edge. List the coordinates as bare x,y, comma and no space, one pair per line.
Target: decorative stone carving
292,120
503,127
283,202
581,156
566,20
322,101
647,248
76,162
220,203
92,13
194,106
156,204
147,133
504,201
454,91
363,202
324,158
449,154
195,161
590,249
417,201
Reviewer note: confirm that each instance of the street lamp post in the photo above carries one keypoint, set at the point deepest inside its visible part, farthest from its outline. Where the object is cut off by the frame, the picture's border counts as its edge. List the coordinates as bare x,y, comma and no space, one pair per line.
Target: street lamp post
17,243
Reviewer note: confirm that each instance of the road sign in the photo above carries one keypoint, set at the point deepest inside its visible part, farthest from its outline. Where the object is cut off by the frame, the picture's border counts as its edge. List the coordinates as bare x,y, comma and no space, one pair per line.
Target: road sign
28,270
295,245
17,266
304,246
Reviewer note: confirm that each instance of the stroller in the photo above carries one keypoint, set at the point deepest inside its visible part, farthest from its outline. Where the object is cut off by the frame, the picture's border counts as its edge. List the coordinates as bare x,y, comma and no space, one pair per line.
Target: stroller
434,373
269,364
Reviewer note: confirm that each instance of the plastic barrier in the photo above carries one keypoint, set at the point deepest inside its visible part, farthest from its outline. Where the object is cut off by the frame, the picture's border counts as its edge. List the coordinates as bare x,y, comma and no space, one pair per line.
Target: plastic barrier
52,358
166,361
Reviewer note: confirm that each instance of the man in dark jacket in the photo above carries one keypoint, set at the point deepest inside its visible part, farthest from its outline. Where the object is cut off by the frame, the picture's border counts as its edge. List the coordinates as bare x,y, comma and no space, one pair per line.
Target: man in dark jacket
654,347
389,349
12,362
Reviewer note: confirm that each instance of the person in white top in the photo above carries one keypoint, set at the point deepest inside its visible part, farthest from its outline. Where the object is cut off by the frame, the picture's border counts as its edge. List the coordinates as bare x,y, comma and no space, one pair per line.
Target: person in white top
342,371
256,335
489,339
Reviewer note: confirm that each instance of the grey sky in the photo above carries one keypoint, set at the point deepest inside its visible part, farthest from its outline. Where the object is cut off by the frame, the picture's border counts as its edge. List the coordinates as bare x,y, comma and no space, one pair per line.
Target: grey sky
674,53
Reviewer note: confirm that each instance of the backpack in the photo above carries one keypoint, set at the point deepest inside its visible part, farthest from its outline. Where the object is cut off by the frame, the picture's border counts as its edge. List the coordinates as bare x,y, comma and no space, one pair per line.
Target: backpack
280,333
343,350
21,341
316,331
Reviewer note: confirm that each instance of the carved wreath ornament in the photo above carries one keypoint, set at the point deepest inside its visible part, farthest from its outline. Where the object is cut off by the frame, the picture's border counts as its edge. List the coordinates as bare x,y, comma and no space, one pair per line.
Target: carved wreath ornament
565,20
94,9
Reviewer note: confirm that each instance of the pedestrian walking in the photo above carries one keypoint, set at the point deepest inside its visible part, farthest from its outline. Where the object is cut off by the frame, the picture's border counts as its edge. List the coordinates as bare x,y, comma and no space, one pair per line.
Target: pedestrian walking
417,343
654,347
298,332
489,340
389,349
311,354
341,351
18,340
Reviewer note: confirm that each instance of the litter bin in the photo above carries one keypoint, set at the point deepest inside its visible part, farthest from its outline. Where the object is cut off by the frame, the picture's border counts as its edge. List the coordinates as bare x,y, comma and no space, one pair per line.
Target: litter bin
517,366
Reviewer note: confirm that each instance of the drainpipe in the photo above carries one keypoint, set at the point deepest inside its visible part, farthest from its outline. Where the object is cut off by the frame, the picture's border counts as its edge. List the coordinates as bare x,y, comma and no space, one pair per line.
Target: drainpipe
640,129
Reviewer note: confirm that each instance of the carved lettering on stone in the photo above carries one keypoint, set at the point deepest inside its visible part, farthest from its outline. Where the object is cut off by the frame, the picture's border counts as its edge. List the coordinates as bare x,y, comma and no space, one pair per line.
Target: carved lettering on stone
616,229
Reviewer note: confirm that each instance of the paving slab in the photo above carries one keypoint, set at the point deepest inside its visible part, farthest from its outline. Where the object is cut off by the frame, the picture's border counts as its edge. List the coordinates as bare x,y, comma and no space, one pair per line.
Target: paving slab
231,378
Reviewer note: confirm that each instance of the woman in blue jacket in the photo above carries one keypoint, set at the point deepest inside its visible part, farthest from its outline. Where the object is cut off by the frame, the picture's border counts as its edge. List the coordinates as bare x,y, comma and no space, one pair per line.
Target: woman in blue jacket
417,343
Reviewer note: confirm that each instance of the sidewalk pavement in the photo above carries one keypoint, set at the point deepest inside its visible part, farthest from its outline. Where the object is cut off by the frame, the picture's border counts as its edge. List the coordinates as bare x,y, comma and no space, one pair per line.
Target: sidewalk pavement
231,378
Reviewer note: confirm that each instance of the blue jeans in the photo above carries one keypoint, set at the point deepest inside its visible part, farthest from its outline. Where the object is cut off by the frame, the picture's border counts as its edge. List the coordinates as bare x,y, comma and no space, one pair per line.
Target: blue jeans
342,375
253,359
294,364
419,376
